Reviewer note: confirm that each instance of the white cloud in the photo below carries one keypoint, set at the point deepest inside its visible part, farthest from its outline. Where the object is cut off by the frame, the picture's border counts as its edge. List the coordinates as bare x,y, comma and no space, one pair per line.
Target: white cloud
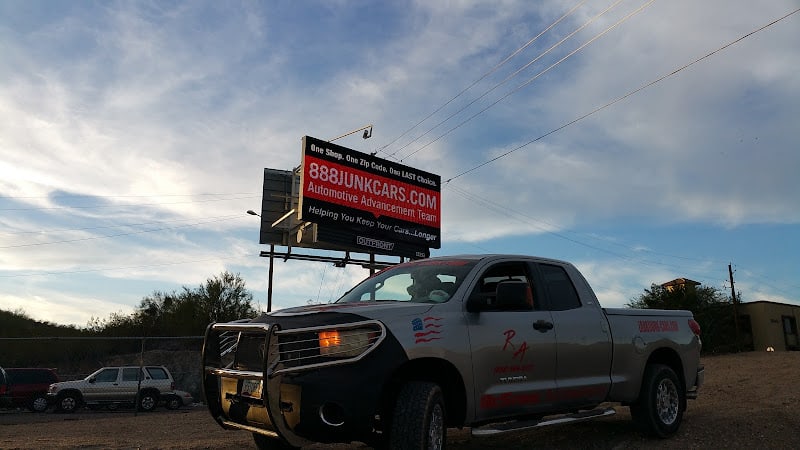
148,109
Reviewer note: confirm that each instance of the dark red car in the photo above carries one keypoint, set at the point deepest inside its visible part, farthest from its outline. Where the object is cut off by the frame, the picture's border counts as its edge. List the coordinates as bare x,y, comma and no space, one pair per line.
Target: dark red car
28,387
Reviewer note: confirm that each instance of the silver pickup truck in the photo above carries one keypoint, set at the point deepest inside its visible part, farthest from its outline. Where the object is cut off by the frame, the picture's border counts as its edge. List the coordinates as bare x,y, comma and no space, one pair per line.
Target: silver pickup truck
497,343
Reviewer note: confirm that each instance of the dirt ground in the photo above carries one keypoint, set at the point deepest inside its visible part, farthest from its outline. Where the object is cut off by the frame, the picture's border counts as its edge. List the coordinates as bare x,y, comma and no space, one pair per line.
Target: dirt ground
750,400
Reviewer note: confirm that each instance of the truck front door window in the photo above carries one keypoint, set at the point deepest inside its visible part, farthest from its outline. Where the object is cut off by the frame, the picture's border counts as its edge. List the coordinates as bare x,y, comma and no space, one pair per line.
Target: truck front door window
422,282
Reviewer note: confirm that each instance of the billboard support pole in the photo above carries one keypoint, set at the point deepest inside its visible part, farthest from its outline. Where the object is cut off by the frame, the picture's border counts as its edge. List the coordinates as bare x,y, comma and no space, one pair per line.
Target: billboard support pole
269,283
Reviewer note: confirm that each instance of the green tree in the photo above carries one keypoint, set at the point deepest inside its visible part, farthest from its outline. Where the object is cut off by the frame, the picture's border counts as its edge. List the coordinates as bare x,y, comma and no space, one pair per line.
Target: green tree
222,298
693,299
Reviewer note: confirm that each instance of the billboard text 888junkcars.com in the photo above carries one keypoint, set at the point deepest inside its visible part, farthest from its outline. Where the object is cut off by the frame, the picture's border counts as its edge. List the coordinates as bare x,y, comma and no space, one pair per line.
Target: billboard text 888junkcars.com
369,196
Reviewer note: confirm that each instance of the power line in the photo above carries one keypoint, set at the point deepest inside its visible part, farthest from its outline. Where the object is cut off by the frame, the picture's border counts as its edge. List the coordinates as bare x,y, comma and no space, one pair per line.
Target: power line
62,230
108,269
481,78
113,235
17,197
612,102
127,205
532,79
526,219
508,78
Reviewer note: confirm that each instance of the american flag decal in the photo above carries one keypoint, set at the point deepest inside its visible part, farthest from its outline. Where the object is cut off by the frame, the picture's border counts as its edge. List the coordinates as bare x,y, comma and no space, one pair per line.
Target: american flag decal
427,329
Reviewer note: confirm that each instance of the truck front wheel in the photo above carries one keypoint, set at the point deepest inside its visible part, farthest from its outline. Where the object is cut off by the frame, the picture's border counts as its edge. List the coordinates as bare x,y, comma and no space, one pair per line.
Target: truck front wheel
418,422
659,409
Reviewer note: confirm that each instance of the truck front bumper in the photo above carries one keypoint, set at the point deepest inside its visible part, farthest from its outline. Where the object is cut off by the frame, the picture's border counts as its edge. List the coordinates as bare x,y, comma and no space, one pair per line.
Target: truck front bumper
270,383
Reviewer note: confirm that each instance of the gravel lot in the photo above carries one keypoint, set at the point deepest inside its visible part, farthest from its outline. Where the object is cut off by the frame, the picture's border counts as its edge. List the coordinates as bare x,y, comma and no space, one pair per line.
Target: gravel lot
750,400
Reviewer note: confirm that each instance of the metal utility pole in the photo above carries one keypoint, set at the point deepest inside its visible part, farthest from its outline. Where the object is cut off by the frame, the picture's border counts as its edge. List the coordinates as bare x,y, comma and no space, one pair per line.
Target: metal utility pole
735,312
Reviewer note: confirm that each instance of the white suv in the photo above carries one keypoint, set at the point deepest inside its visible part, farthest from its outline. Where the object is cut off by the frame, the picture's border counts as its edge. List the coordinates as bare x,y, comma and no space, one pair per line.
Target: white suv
112,387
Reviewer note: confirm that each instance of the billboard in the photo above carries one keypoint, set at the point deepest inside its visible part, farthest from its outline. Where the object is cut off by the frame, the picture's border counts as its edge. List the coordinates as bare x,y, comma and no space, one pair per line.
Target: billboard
378,204
280,225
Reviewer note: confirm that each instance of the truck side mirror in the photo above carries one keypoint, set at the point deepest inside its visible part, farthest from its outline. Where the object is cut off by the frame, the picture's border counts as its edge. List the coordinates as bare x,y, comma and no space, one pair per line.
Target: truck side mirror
513,295
478,302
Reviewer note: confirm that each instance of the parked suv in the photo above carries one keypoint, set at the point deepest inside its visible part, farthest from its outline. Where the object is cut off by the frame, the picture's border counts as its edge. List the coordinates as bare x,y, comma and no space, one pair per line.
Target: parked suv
29,386
113,387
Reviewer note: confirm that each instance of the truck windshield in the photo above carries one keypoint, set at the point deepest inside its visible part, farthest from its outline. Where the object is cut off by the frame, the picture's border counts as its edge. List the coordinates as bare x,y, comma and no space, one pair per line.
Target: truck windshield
426,281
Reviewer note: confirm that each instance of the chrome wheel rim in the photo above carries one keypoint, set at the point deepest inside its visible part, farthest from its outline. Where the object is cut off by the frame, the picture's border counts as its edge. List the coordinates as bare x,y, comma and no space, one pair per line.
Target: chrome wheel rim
148,402
436,428
667,402
39,404
68,403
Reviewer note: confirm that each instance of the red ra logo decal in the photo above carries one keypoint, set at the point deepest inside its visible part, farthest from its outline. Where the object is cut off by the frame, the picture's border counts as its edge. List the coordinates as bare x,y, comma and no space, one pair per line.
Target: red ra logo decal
518,352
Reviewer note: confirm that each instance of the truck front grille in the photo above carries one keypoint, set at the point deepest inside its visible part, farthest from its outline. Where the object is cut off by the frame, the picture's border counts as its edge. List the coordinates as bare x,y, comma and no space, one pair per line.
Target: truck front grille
244,350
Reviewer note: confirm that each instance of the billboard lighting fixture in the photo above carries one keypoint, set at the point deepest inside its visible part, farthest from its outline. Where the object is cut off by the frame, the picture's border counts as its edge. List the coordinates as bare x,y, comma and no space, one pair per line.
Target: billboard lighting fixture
367,133
343,262
253,213
283,217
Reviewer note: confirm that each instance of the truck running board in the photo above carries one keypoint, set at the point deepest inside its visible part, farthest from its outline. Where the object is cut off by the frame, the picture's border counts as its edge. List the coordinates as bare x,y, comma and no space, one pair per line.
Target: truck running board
507,427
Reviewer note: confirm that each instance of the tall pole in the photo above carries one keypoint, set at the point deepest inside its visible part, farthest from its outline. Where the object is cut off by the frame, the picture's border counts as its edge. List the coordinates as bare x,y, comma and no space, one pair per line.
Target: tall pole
271,255
735,313
269,283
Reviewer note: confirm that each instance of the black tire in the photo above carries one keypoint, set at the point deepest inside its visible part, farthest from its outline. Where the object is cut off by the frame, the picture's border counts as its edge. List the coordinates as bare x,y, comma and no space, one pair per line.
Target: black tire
173,402
662,400
67,403
270,443
38,403
147,401
419,419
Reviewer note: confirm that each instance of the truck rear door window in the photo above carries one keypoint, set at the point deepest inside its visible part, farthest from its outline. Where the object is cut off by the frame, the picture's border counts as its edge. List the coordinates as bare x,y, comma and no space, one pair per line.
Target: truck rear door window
561,292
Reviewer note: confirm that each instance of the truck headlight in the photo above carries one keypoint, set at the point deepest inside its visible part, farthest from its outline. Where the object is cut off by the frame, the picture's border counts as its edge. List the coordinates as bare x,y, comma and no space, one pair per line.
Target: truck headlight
345,343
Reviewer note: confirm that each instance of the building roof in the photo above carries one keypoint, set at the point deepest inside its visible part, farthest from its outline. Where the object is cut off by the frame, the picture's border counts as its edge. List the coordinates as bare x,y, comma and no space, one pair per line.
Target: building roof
681,282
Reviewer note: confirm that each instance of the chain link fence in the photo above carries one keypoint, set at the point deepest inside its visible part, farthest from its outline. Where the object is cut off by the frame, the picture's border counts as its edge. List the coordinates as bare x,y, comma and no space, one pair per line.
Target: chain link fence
74,358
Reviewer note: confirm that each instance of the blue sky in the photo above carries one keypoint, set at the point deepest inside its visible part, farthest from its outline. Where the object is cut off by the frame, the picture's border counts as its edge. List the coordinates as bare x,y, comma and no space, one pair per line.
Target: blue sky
133,137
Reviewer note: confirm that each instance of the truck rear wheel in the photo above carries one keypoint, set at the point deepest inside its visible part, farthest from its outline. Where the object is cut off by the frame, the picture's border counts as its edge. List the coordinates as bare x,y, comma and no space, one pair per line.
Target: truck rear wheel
419,417
659,409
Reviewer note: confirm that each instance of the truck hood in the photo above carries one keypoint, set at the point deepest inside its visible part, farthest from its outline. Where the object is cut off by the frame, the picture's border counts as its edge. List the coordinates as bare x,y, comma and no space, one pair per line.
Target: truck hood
372,310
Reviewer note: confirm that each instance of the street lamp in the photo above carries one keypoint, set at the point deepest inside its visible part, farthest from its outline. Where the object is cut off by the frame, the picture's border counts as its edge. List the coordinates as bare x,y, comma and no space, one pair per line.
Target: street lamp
271,252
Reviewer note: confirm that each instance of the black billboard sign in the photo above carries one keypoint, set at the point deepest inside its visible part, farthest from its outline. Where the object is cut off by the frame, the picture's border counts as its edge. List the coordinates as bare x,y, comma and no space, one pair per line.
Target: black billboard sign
379,203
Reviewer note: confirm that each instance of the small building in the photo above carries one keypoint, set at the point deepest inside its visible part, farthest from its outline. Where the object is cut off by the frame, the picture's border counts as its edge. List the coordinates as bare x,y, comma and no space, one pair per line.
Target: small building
680,283
769,324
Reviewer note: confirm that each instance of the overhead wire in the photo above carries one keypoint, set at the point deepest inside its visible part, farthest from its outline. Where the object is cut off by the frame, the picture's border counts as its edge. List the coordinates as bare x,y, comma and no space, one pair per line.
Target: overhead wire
127,205
492,205
549,227
532,79
509,77
112,269
618,99
63,230
481,78
91,238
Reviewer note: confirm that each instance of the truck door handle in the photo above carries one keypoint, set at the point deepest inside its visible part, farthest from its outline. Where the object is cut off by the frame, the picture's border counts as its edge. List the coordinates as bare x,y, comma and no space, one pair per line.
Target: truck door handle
543,326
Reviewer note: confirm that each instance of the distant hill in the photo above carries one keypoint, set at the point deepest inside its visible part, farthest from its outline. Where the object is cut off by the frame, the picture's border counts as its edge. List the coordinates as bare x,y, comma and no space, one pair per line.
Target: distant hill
18,324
